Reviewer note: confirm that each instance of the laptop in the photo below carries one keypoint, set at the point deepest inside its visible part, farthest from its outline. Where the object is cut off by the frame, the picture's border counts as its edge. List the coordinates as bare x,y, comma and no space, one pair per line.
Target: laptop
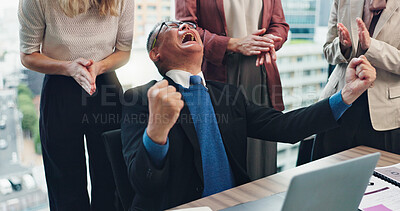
337,187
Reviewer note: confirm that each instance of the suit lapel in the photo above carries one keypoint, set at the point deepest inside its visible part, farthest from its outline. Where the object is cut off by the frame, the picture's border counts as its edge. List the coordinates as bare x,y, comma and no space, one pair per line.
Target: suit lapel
391,7
220,6
265,14
356,11
186,122
187,125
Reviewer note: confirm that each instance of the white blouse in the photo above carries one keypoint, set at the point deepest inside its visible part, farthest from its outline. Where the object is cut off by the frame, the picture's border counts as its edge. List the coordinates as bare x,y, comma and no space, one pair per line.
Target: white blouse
45,28
243,17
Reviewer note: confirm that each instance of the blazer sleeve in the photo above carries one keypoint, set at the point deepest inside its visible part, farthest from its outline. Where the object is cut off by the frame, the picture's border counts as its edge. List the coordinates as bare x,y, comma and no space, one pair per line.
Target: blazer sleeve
214,45
278,25
146,178
332,49
269,124
384,56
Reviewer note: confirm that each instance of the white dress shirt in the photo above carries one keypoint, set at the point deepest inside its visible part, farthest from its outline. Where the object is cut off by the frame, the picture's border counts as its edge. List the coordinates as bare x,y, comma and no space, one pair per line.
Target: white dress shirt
182,77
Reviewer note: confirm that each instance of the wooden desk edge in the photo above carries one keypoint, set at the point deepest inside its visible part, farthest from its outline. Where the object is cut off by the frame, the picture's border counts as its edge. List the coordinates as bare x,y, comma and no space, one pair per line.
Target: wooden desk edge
279,182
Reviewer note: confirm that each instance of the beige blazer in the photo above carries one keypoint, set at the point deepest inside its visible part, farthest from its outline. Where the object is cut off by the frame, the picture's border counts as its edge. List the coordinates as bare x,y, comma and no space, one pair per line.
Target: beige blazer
384,55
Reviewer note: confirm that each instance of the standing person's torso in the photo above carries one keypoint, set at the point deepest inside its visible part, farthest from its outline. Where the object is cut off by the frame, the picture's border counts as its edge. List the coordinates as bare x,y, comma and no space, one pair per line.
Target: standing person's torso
243,17
88,35
383,53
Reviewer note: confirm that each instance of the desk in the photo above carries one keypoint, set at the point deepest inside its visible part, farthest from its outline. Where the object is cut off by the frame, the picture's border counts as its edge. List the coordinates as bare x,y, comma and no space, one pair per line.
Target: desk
280,182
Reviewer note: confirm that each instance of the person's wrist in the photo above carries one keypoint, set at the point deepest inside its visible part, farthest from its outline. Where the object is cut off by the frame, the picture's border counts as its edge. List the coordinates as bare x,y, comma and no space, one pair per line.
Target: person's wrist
344,47
64,67
101,67
367,45
157,134
233,45
346,51
348,95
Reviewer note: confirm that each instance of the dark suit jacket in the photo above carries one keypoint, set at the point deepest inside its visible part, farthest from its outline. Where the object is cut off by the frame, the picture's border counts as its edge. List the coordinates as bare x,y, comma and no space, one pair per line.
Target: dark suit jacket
180,179
209,15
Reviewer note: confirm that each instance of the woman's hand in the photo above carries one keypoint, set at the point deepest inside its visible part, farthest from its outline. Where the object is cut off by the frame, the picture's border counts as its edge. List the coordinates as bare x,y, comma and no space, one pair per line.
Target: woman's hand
78,69
95,69
269,56
363,35
344,37
250,45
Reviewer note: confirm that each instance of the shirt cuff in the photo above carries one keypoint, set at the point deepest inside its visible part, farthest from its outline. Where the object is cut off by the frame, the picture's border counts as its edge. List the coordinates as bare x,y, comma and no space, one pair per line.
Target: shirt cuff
337,105
157,152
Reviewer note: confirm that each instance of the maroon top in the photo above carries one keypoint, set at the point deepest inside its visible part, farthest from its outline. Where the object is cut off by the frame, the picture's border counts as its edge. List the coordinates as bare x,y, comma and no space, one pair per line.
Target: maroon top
209,15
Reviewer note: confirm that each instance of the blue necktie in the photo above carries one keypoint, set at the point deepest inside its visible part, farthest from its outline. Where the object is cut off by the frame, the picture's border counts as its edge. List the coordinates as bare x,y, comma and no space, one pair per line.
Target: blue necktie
217,172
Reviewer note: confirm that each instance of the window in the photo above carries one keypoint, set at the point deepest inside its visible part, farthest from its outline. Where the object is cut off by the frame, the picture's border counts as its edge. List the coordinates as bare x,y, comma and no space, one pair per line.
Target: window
299,59
166,8
151,8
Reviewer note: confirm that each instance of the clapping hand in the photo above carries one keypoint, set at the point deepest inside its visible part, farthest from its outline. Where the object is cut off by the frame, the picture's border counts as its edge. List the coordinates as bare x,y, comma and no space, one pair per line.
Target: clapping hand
360,75
344,37
363,35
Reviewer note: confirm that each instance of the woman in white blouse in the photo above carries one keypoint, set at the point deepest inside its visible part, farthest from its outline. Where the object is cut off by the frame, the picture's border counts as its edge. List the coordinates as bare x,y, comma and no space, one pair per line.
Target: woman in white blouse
78,44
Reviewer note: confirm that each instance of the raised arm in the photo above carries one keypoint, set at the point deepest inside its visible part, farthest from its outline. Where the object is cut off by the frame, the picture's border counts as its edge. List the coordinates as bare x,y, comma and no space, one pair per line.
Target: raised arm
268,124
157,112
337,48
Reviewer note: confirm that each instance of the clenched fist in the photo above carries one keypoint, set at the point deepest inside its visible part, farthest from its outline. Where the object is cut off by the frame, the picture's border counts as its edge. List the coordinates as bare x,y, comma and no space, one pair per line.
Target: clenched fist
165,105
360,75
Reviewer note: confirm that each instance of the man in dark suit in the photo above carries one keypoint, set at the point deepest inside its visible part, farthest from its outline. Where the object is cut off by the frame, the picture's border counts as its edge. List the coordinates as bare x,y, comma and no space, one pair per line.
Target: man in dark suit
185,138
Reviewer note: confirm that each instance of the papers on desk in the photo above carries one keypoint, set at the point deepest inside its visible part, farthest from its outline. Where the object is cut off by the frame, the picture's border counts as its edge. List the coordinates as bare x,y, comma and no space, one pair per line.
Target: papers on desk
196,209
389,173
382,195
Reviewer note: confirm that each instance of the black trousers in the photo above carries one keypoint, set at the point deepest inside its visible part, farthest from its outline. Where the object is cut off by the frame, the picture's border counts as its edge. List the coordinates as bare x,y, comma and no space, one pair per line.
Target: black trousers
355,130
67,113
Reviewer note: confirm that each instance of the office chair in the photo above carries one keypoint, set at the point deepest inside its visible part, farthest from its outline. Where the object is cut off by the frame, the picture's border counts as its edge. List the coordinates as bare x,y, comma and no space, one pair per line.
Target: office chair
113,145
305,151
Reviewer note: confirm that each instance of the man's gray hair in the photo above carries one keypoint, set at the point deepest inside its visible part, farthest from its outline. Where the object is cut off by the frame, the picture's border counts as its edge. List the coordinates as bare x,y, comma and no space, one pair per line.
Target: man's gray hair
152,36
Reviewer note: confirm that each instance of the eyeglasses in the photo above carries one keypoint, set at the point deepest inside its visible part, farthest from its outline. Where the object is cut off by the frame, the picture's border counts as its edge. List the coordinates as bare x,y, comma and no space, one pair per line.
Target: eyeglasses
172,24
